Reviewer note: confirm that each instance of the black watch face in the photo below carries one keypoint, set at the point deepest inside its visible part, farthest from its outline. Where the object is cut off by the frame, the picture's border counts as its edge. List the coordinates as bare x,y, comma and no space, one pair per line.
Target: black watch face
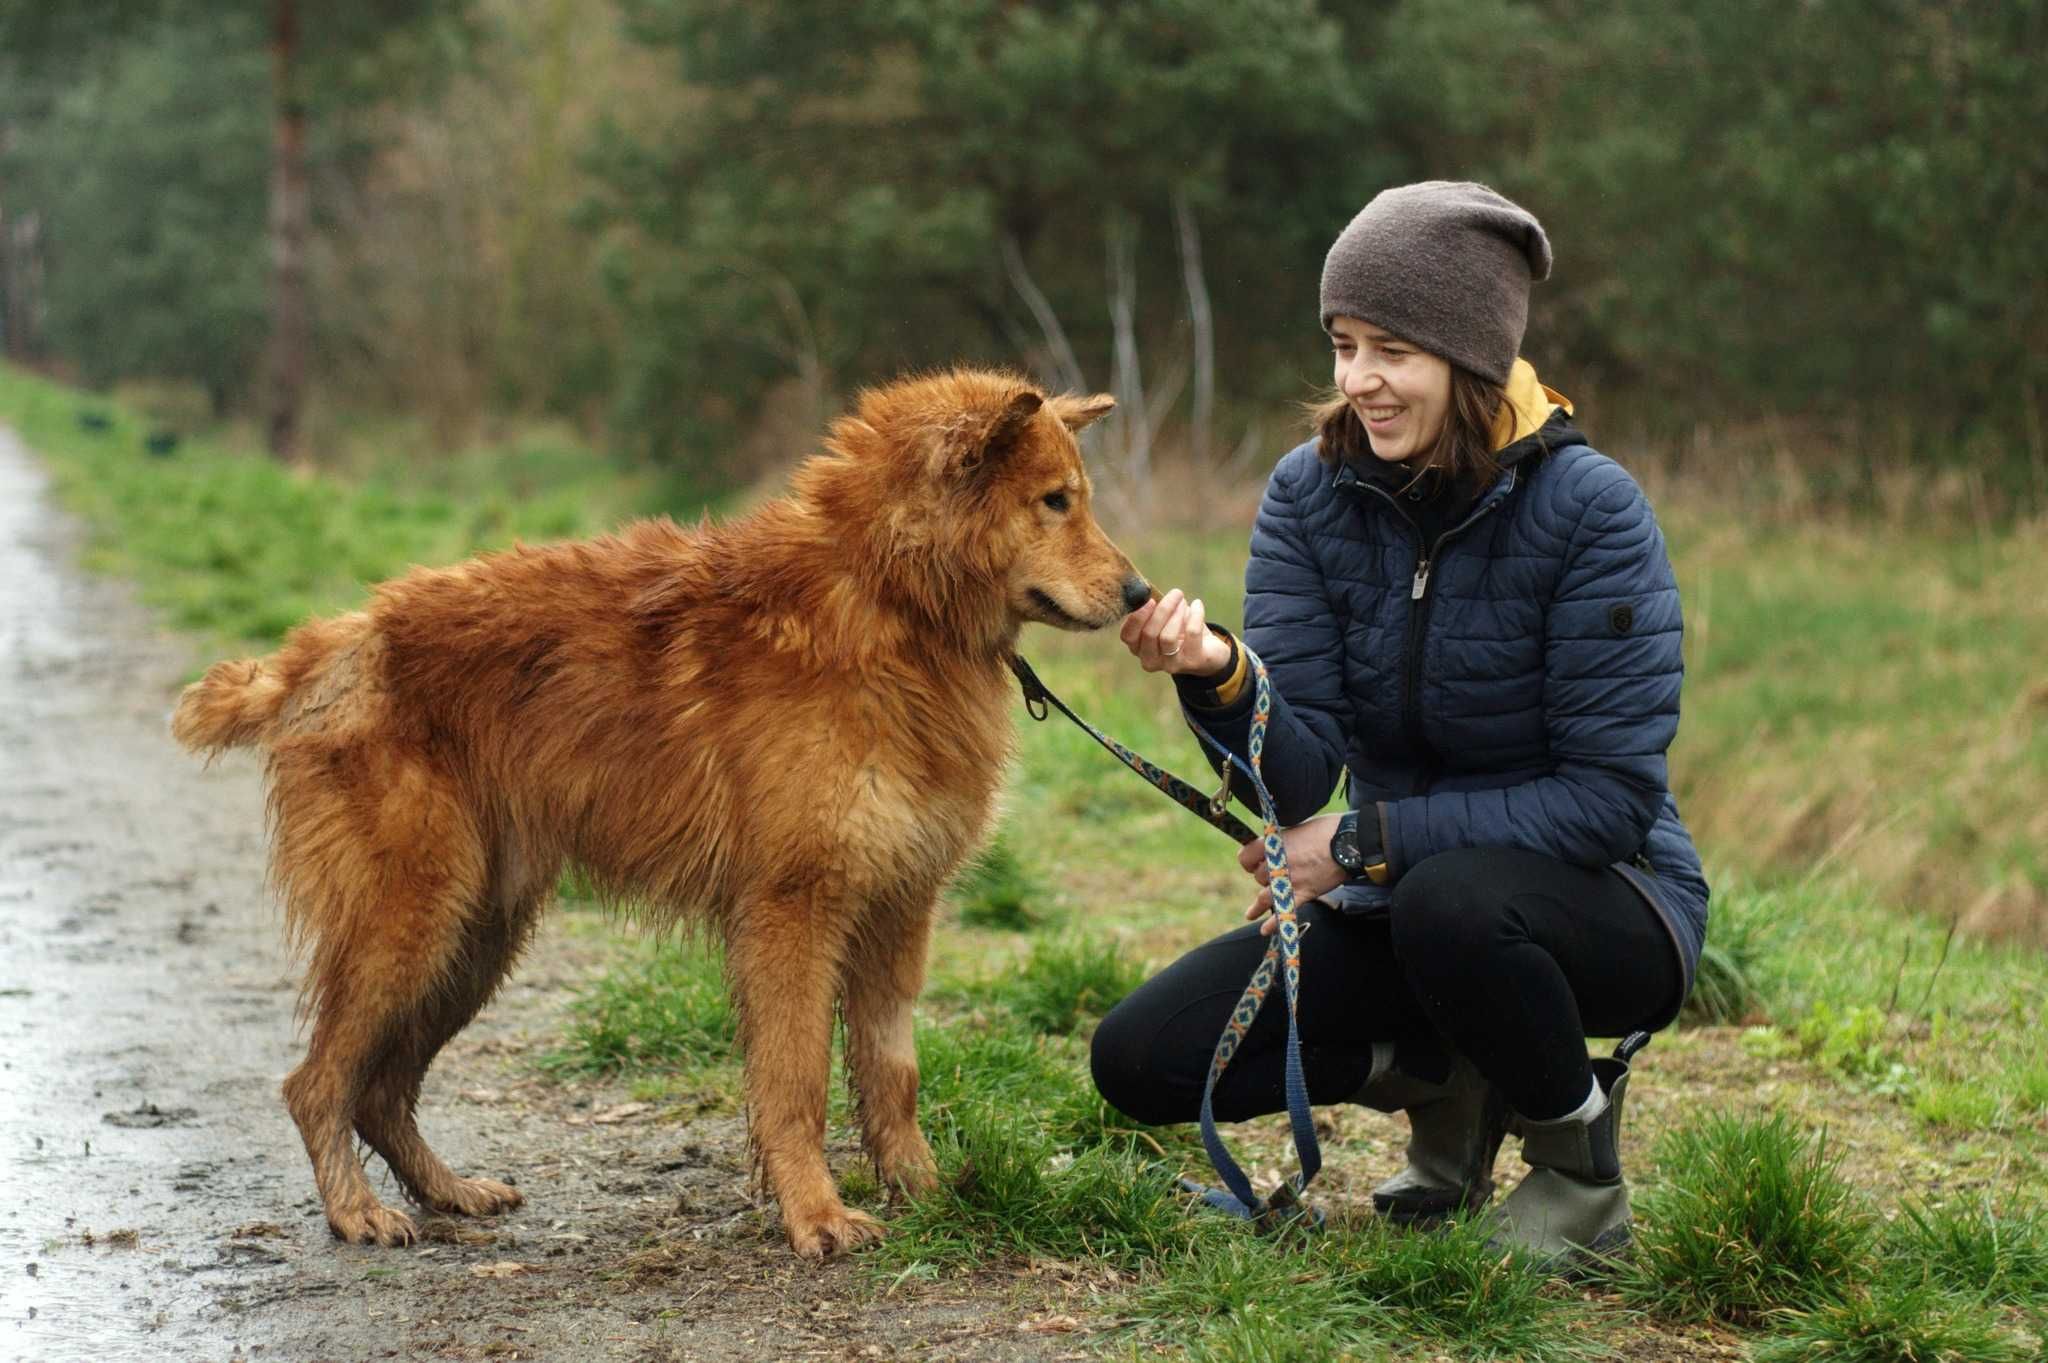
1344,849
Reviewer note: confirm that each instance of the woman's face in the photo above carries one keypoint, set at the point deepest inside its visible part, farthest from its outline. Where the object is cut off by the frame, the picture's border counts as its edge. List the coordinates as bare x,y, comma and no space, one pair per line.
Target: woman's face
1401,394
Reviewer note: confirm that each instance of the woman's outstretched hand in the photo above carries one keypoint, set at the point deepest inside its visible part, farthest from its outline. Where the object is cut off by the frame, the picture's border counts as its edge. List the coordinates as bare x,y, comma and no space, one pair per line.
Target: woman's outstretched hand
1172,635
1309,868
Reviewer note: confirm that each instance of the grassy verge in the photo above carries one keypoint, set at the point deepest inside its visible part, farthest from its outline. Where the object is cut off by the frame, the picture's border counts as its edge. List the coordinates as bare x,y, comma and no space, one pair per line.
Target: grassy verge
1863,756
239,549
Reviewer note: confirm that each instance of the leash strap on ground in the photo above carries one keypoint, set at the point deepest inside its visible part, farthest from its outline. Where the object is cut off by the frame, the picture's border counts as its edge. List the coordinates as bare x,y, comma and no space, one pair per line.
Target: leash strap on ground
1283,957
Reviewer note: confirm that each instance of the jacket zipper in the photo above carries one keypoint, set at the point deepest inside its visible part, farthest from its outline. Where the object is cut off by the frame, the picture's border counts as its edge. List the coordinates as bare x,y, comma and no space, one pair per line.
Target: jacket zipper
1418,616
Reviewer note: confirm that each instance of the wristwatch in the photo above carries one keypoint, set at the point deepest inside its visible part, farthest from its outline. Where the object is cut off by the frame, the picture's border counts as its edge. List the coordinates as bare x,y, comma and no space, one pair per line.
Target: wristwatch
1354,860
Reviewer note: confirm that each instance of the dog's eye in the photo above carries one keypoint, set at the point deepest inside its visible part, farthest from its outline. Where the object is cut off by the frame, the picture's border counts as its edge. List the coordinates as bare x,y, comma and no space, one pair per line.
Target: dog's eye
1056,500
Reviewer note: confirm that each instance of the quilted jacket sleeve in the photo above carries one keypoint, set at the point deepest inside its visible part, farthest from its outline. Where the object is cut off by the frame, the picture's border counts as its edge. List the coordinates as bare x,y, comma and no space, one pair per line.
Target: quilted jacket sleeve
1612,667
1289,624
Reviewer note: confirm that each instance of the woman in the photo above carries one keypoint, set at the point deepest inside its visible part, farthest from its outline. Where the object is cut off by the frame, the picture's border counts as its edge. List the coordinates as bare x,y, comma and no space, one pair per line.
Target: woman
1469,614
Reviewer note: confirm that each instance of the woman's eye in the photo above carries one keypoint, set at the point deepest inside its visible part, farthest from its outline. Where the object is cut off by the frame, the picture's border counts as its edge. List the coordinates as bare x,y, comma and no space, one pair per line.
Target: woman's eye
1056,500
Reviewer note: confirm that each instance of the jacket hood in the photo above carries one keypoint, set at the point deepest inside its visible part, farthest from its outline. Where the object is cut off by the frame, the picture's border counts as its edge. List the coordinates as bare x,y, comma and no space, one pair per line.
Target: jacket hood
1530,405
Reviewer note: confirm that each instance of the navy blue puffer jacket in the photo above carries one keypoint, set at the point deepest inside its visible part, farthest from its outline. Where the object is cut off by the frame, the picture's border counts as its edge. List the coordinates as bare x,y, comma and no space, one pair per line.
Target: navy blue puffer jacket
1514,686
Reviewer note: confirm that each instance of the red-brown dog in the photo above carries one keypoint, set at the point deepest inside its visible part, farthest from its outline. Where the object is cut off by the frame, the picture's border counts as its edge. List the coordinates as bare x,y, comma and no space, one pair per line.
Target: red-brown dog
791,727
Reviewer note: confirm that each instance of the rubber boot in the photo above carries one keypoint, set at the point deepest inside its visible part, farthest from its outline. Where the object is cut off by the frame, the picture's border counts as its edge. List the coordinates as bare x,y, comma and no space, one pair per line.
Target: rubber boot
1454,1134
1571,1209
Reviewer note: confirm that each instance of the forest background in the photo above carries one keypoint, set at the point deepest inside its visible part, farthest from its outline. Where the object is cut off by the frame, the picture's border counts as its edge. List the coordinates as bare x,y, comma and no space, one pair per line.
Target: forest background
688,228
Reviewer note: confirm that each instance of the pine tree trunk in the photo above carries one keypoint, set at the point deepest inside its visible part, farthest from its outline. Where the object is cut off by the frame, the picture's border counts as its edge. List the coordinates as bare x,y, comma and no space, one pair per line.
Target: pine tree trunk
289,215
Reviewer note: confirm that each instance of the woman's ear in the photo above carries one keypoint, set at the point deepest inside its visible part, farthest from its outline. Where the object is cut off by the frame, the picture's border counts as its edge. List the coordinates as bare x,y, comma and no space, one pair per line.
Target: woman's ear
1077,413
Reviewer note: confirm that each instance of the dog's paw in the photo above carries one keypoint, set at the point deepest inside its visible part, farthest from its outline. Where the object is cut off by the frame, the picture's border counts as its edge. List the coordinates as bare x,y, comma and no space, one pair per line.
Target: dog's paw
831,1232
374,1224
478,1197
913,1176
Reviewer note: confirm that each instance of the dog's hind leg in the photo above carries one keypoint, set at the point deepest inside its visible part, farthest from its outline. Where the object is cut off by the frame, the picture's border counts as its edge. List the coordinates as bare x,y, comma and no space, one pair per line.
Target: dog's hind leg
884,972
784,957
382,871
384,1116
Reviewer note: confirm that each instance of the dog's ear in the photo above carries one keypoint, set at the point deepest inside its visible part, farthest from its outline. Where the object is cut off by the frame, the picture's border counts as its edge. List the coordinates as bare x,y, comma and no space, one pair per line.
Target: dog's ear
980,441
1077,413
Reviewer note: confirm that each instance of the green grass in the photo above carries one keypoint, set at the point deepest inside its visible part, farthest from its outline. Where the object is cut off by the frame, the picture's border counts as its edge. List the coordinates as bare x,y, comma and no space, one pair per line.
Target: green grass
1064,984
1007,1190
1367,1288
1890,1003
1753,1223
239,549
1750,1217
1971,1247
997,890
1888,1324
669,1010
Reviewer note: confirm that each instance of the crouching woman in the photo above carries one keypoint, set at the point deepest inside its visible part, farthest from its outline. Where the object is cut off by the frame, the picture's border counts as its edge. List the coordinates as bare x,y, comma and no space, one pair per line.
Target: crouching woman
1469,613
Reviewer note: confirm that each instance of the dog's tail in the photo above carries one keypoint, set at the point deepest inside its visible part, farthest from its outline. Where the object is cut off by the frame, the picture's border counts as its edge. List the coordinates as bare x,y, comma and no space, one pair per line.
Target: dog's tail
231,706
238,703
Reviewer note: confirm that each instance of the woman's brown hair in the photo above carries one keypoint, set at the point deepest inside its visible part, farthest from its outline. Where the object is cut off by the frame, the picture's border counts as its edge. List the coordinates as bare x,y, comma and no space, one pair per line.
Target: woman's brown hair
1463,451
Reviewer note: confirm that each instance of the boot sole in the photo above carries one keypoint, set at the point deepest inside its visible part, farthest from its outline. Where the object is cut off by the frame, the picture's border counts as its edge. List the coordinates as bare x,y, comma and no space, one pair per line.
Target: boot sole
1421,1213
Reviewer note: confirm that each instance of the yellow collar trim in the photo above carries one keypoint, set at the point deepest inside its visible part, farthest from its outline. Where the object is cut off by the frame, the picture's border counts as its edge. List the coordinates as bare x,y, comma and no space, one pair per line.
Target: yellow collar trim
1529,404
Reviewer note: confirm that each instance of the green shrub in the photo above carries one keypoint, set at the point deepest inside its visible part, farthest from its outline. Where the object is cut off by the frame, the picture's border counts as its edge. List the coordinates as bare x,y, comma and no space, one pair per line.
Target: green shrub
1750,1216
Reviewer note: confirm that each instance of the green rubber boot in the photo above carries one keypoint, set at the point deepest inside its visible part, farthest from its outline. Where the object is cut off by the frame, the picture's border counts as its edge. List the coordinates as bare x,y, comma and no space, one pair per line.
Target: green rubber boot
1571,1209
1454,1134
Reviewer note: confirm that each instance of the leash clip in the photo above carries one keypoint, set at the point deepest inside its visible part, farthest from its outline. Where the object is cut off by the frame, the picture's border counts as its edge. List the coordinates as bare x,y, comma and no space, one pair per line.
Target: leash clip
1035,694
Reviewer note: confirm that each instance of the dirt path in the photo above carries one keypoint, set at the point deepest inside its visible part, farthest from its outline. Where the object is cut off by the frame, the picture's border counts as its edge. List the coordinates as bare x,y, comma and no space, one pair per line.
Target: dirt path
154,1200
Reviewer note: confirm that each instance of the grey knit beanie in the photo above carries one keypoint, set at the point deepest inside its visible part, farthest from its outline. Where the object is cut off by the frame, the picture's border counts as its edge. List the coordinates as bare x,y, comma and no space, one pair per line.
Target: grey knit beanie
1445,265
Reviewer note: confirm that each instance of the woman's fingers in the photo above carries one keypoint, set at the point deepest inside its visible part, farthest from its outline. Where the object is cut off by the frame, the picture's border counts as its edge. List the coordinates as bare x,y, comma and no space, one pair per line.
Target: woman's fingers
1134,625
1262,904
1159,637
1170,634
1193,630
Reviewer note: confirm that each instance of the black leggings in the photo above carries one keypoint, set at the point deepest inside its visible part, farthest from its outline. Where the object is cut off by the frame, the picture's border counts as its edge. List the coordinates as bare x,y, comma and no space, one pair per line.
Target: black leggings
1511,957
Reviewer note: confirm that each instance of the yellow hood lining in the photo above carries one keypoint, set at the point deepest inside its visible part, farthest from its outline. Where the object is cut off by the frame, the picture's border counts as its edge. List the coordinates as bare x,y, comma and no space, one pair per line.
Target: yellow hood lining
1529,404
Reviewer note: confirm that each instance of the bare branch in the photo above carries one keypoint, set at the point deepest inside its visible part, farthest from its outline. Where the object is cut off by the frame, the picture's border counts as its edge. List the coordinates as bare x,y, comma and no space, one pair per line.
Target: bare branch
1203,321
1120,240
1066,369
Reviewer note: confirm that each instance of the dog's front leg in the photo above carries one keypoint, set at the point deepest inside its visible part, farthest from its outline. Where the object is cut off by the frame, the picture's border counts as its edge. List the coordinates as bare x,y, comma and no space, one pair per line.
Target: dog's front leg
884,973
785,973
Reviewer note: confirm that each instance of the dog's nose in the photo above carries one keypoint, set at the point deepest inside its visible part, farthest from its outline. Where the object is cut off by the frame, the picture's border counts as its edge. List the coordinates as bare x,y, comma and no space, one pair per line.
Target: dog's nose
1137,591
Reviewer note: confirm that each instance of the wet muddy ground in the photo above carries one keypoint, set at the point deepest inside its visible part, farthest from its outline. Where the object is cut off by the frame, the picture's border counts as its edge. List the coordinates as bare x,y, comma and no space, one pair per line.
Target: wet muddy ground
155,1202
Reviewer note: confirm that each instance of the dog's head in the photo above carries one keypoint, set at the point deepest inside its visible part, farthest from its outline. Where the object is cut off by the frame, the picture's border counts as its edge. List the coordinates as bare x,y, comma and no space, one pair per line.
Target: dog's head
985,490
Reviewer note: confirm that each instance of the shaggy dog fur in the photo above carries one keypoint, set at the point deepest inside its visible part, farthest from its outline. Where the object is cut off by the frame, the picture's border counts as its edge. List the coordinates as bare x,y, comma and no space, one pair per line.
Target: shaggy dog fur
789,729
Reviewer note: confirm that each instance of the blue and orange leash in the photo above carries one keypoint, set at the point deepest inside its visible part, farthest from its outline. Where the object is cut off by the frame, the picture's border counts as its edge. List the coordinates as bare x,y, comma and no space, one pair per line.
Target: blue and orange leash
1283,956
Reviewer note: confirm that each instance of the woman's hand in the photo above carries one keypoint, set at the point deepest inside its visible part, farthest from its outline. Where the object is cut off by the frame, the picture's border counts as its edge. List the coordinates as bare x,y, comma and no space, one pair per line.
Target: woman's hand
1309,868
1172,635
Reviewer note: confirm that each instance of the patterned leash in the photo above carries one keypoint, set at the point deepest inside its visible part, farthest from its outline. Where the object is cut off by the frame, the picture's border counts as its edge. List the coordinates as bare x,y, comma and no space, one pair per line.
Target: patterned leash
1283,956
